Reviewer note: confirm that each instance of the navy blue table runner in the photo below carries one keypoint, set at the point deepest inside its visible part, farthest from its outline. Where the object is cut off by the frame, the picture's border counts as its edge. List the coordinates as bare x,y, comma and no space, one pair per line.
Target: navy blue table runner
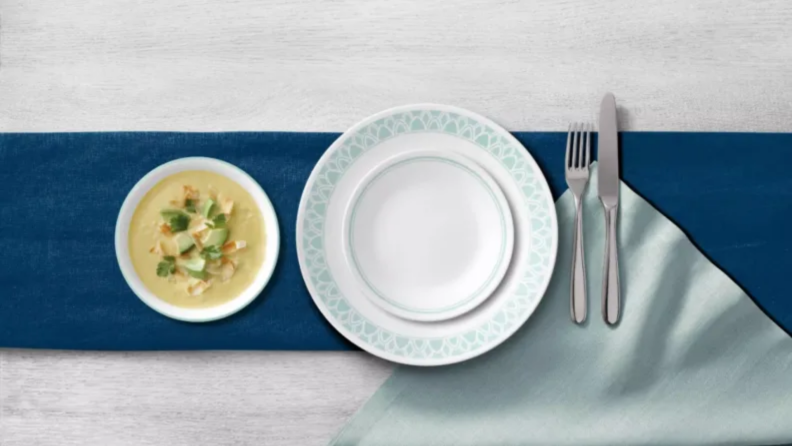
60,286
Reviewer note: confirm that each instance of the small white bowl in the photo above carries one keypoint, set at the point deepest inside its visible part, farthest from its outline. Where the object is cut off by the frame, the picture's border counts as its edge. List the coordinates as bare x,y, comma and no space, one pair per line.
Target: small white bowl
122,239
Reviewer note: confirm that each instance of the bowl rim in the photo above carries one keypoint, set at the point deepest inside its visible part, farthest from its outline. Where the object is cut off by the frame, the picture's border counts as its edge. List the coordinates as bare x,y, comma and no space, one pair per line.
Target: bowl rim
154,177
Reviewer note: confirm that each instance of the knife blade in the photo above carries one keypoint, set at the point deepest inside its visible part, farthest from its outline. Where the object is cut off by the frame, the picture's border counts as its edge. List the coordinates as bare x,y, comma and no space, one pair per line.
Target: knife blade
608,187
608,155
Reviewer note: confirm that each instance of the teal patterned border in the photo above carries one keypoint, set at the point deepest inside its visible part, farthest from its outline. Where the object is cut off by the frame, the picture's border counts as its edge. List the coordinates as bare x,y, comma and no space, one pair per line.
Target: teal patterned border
542,239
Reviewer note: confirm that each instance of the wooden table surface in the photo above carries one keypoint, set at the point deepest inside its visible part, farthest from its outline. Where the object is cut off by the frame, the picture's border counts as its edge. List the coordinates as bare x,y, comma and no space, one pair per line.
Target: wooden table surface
313,65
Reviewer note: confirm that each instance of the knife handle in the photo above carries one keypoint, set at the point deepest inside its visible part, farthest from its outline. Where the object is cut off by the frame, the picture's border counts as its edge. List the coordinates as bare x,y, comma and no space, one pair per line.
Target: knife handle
611,297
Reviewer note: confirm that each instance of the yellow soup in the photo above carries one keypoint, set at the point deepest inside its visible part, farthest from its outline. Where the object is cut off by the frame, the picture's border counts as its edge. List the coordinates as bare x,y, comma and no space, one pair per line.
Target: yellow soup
223,248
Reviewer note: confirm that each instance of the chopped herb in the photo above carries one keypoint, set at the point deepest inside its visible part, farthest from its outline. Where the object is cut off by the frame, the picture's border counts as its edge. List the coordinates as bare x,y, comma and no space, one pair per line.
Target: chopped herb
211,253
167,214
219,221
189,205
175,219
163,269
167,266
179,223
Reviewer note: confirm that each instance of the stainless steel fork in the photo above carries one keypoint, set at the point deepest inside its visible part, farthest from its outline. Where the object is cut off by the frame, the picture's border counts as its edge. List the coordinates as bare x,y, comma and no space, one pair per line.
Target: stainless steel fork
577,160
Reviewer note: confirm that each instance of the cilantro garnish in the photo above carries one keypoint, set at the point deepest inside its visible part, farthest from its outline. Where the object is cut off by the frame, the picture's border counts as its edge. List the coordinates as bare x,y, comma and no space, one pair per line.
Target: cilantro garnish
167,266
211,253
175,219
179,222
219,221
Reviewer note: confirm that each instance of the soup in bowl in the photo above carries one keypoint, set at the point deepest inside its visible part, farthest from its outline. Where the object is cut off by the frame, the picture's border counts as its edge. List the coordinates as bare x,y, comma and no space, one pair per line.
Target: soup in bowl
197,239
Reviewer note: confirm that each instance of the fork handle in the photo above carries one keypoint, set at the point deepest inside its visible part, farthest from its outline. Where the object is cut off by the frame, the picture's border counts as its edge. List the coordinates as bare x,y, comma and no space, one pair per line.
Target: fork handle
611,297
578,282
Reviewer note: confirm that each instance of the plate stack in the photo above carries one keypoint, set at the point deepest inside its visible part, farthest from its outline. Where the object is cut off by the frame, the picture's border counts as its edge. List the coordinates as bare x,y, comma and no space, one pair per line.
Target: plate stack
426,235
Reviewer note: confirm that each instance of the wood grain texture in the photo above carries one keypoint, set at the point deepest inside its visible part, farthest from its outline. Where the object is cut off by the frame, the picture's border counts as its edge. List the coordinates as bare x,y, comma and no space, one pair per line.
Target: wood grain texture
62,398
323,65
316,65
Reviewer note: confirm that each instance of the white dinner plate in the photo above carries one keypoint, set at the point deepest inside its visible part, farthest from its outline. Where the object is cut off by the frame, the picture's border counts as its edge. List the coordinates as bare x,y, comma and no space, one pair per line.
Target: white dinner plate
333,285
429,235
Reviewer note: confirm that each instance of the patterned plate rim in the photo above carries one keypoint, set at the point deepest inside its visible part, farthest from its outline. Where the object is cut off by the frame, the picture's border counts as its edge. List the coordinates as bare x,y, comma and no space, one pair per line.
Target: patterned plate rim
510,154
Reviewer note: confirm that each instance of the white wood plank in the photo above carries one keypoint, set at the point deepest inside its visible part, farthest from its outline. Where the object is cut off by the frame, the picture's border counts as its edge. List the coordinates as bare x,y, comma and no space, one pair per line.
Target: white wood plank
180,398
323,65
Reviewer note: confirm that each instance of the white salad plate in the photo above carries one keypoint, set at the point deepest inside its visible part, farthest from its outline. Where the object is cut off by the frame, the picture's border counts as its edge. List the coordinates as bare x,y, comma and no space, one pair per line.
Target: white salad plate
331,190
428,234
140,190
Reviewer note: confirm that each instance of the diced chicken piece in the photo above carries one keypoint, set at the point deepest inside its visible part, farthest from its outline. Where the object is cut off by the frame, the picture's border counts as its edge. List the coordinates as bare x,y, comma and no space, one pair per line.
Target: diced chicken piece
226,205
198,232
227,269
214,267
234,246
157,249
170,248
197,287
190,193
165,229
180,275
199,224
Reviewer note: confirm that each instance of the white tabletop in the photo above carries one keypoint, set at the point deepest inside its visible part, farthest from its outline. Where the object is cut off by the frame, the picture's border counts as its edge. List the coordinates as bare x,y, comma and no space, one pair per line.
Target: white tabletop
314,65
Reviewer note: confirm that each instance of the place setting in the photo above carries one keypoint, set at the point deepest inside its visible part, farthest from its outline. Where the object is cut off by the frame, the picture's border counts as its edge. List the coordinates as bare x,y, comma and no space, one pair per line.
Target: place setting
430,237
390,223
426,234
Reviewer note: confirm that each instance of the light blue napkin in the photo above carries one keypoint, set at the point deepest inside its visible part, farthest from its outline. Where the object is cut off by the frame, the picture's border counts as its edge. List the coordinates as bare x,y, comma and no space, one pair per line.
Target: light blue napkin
694,360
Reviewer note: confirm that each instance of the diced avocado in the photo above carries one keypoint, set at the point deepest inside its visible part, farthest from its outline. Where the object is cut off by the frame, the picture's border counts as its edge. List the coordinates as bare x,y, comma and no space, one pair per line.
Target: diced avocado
216,237
219,221
184,242
195,267
207,208
197,274
196,264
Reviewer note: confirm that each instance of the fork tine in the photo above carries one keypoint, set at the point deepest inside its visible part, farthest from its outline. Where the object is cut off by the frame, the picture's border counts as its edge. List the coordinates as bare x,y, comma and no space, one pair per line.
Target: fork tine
575,147
588,146
569,146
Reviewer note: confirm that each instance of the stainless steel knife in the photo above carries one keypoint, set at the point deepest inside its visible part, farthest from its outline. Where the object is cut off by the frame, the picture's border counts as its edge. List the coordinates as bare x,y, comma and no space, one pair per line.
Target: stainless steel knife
608,186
